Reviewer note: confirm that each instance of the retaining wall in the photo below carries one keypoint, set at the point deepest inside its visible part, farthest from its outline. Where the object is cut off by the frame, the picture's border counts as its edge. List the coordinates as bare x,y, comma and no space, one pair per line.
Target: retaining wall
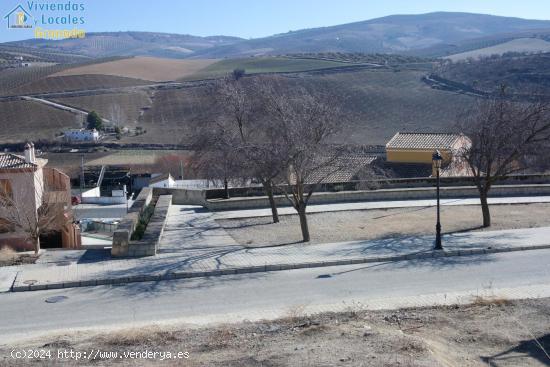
381,195
183,196
149,244
121,237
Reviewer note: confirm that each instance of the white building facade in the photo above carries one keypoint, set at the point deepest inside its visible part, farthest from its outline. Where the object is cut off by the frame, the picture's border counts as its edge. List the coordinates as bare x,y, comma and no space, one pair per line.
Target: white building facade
76,135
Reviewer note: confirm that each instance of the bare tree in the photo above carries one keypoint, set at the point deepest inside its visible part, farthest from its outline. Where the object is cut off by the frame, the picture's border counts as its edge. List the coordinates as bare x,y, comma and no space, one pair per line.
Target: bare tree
506,138
32,219
305,123
117,116
254,136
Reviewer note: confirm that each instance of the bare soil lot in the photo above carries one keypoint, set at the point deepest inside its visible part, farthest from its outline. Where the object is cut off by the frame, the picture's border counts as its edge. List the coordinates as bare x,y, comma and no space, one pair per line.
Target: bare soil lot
146,68
9,257
383,223
489,332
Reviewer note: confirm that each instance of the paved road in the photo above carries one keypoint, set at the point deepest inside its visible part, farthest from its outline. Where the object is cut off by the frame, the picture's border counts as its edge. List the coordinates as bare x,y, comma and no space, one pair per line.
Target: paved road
270,295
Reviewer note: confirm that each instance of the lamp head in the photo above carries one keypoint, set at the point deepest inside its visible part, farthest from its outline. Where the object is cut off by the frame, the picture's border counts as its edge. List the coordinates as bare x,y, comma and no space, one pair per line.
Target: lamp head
436,159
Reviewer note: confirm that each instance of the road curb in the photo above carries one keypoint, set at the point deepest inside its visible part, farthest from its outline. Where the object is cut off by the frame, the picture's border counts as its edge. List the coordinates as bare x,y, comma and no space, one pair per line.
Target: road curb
271,267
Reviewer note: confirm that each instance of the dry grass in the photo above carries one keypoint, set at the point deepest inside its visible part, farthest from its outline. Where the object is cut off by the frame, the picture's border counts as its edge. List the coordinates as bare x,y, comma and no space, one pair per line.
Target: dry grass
490,301
145,68
515,334
7,254
138,336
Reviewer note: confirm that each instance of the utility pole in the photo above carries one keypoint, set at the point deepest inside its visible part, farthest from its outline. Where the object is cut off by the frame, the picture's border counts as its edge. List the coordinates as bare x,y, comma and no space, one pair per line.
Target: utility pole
81,176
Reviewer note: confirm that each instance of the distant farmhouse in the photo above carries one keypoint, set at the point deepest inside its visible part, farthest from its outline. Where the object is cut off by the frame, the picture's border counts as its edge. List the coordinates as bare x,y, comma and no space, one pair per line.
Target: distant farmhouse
81,135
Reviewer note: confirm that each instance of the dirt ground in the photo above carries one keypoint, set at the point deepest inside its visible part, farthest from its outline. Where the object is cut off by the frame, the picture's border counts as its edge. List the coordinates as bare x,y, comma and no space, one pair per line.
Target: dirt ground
489,332
9,257
145,68
383,223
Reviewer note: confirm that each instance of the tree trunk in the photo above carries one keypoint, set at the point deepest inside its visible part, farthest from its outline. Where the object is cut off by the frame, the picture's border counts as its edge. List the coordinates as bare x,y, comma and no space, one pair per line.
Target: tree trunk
303,222
36,245
268,187
226,187
485,209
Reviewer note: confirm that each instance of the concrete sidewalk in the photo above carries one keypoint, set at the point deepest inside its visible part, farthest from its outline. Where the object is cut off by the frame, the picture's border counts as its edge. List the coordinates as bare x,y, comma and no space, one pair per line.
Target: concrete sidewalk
195,246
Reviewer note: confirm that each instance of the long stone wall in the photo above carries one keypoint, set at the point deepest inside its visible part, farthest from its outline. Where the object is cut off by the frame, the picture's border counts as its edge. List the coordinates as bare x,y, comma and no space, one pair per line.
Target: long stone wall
184,196
381,195
149,244
121,237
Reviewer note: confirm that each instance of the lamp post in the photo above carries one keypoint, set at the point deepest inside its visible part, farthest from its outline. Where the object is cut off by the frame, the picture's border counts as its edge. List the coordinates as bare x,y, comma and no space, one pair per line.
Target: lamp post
436,159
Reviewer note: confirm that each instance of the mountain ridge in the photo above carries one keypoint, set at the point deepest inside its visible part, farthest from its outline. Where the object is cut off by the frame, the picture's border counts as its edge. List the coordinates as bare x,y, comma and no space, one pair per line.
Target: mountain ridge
401,33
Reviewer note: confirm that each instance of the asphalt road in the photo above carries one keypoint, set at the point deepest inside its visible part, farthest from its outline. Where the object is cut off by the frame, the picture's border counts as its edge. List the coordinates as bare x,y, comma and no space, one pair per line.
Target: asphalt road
271,295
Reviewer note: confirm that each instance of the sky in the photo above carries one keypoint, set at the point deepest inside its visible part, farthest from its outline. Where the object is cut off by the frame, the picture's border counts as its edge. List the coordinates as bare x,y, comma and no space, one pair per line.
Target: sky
246,18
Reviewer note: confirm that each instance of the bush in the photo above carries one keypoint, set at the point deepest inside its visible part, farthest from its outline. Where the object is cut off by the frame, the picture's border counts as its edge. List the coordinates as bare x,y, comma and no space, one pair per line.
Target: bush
143,220
94,121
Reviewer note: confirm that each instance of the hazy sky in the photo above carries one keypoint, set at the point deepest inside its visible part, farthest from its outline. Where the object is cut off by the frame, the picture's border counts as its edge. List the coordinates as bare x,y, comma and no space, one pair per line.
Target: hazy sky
250,18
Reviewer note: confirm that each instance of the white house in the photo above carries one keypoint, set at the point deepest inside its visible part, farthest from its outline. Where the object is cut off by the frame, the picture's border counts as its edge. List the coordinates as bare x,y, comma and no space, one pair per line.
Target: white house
73,135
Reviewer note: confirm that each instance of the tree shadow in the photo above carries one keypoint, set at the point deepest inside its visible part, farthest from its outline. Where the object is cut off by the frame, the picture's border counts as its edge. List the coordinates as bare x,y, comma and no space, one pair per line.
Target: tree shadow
538,349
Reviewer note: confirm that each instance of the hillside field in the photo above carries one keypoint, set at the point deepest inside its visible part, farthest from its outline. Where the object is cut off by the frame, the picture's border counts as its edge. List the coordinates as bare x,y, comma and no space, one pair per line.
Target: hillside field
376,103
76,83
122,108
27,120
145,68
522,45
255,65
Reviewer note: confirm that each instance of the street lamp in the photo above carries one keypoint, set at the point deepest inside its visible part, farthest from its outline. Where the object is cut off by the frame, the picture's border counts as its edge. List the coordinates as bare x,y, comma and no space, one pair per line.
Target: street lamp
436,159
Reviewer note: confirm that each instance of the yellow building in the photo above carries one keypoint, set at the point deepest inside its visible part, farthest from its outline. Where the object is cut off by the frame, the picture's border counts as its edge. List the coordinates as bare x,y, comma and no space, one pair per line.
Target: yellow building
416,150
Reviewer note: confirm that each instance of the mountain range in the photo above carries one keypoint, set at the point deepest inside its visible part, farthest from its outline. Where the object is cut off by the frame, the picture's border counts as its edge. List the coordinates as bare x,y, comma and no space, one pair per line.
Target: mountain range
432,34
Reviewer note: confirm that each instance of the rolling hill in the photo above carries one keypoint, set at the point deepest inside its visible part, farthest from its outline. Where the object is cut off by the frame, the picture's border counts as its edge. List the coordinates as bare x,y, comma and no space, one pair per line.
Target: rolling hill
392,34
519,45
521,74
105,44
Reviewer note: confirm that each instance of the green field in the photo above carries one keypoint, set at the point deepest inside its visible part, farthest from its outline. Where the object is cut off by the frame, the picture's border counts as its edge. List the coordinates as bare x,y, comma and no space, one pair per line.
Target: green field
255,65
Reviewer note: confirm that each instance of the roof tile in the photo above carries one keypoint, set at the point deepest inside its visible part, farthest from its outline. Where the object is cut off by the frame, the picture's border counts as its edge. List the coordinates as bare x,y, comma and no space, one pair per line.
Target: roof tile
12,161
422,141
